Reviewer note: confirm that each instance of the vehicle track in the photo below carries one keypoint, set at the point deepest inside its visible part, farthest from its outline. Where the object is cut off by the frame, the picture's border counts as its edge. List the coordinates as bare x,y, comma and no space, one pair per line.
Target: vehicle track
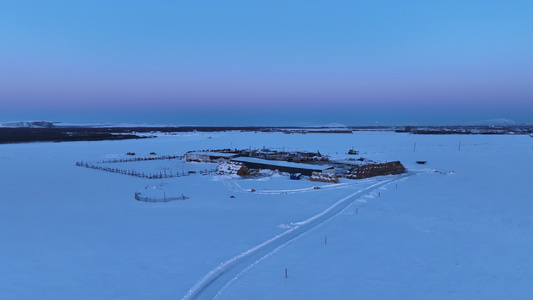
232,184
212,285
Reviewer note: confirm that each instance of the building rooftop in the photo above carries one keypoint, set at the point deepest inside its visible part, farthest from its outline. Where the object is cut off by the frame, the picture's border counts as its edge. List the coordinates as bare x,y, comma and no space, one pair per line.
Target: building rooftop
211,153
282,163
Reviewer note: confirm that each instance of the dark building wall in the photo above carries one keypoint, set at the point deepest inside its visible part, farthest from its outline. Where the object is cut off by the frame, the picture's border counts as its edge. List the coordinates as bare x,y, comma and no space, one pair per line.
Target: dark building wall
304,171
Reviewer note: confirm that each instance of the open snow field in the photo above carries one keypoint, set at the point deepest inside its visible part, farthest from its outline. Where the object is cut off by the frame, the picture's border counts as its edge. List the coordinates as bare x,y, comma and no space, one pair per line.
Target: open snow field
459,227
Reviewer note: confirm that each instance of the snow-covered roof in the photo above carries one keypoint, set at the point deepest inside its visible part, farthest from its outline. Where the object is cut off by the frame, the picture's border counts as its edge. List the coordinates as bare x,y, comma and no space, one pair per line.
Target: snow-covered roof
211,153
282,163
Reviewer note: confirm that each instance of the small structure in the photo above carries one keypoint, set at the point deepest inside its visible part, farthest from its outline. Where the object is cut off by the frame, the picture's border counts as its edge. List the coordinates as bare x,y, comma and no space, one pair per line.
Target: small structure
295,176
208,156
283,166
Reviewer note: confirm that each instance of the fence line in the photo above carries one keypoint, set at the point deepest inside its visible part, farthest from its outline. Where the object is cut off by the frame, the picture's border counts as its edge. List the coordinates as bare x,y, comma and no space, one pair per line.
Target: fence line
164,199
160,175
161,157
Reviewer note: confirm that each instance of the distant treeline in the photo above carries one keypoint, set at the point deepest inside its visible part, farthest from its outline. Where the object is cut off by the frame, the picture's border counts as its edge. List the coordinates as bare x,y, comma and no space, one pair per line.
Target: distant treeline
54,133
514,129
27,135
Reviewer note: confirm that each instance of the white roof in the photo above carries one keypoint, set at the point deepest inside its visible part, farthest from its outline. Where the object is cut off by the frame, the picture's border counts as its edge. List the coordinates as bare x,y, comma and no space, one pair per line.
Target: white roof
211,153
282,163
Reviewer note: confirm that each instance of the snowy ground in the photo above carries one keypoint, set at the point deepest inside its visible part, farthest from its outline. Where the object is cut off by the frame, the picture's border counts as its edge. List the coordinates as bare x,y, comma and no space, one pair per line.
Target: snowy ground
459,228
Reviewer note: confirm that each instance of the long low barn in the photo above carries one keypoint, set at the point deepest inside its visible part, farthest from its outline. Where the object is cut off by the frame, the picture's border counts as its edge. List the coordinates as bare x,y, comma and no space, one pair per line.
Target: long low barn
208,156
283,166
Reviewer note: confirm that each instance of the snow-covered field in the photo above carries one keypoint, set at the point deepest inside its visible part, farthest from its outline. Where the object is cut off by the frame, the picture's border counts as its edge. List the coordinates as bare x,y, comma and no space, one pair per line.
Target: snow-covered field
459,227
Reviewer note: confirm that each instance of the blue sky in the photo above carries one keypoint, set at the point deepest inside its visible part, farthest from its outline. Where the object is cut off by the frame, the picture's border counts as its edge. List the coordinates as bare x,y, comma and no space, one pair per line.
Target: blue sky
267,62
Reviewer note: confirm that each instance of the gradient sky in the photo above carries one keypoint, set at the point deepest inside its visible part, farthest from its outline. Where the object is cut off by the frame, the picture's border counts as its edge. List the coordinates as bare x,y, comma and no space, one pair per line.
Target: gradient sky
267,62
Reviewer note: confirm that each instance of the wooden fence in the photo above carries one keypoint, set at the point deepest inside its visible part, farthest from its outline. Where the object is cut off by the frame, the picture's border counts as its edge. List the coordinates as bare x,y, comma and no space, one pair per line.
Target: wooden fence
144,158
160,175
138,197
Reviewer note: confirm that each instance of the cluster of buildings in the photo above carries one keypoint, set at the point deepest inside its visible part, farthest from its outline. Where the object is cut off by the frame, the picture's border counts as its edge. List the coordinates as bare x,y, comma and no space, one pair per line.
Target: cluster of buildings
312,164
267,159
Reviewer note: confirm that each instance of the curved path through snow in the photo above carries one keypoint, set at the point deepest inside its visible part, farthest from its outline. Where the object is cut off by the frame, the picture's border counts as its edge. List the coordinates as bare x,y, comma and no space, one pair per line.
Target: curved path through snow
232,185
214,283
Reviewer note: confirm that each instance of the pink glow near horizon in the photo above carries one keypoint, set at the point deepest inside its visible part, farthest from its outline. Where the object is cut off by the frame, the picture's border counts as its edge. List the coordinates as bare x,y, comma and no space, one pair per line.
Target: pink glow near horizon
268,57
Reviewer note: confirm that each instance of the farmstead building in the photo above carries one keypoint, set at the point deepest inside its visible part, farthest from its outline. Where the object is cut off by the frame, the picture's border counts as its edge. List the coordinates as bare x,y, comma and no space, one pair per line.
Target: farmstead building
208,156
283,166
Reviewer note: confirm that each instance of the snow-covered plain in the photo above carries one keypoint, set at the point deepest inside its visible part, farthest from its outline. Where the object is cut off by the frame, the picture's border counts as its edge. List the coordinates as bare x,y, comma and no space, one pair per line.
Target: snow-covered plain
458,227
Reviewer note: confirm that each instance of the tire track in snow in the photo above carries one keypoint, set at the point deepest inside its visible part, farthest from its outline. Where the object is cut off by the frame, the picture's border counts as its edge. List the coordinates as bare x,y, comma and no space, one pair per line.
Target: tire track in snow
217,280
231,184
